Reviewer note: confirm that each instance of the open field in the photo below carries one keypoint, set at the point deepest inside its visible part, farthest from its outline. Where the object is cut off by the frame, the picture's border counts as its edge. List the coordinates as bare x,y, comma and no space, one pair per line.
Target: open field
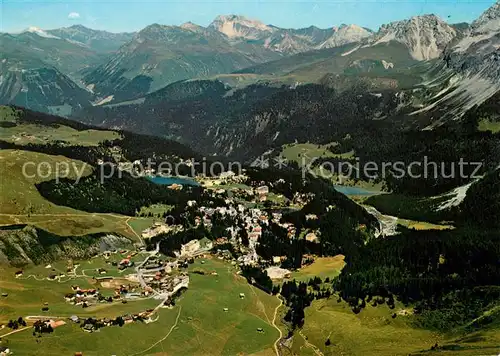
303,153
138,225
35,134
486,125
23,134
197,325
156,210
371,332
21,170
375,332
321,267
420,225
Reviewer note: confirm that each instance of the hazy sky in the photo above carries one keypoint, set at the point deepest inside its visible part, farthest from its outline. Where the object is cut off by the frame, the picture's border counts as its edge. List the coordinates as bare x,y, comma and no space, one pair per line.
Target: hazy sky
116,16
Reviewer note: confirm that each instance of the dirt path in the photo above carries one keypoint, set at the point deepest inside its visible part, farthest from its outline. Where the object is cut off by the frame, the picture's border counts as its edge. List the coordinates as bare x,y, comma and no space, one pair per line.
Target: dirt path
165,337
276,347
15,331
133,231
316,350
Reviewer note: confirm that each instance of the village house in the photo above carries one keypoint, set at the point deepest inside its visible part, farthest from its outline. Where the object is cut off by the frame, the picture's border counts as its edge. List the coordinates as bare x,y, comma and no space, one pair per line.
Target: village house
262,190
312,237
175,186
228,175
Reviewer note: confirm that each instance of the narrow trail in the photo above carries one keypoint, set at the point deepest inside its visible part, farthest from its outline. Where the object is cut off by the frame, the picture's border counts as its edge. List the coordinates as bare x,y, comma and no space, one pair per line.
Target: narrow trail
259,303
165,337
133,231
15,331
316,350
276,347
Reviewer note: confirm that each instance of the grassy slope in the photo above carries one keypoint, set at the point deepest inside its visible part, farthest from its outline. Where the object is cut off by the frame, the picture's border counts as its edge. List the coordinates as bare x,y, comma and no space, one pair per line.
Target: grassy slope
304,153
203,327
321,267
486,125
21,203
375,332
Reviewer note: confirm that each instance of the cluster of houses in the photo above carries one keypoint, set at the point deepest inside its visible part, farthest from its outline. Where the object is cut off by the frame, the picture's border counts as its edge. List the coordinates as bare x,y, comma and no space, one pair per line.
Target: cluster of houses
162,279
91,324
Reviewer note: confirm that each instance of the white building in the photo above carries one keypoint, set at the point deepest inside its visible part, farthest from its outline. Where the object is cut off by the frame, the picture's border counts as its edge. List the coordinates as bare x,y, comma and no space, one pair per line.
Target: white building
191,247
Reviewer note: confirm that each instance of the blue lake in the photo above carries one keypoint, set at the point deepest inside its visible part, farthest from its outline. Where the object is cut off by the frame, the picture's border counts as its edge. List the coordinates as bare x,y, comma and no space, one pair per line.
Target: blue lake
353,190
173,180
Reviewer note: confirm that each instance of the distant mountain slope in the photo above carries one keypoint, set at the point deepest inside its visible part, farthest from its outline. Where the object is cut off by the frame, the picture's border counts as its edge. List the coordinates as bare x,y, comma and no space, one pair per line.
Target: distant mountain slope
469,73
99,41
286,41
385,60
42,89
67,57
159,55
425,36
40,71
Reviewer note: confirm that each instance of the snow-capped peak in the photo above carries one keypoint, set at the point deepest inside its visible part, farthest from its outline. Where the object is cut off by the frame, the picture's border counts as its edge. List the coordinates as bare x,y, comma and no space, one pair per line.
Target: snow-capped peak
38,31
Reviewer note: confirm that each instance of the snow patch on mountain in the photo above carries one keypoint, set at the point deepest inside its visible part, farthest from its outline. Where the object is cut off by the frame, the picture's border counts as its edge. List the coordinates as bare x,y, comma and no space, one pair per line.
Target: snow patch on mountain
38,31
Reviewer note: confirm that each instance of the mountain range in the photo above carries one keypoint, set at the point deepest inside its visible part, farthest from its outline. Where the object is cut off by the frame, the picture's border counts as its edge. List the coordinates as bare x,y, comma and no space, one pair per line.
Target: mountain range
75,71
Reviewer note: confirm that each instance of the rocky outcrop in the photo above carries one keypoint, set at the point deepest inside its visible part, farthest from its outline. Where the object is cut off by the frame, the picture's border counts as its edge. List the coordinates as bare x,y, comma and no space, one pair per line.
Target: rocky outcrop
478,53
425,36
22,245
346,34
234,26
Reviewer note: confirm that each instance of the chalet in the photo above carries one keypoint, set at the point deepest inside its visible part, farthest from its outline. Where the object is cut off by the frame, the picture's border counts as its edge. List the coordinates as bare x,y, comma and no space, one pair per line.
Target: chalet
312,237
262,190
175,186
89,328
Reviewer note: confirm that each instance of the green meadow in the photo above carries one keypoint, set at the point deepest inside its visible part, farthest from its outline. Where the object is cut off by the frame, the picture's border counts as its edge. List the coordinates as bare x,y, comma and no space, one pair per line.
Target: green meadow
197,325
